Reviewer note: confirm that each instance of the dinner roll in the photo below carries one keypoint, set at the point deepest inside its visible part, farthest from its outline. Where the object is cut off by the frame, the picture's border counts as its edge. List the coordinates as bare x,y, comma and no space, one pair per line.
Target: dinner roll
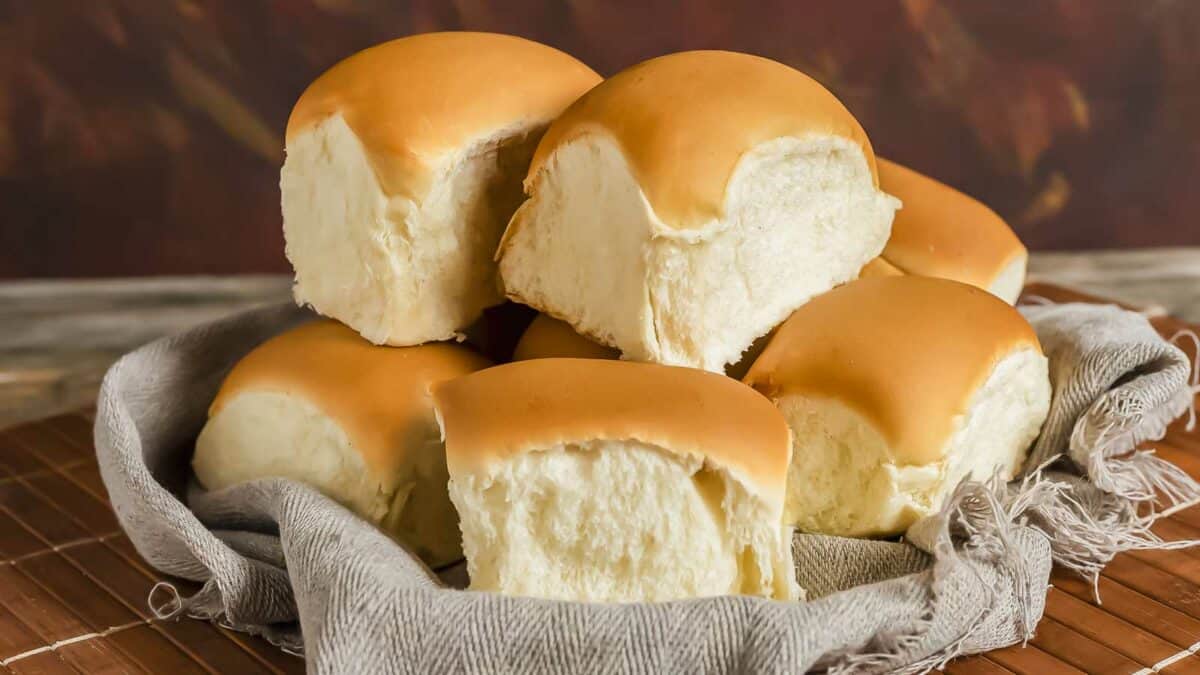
404,163
321,405
591,479
895,389
687,205
547,337
942,232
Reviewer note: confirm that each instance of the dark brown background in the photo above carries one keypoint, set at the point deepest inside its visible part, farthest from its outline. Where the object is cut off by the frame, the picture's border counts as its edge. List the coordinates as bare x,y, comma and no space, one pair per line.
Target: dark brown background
145,136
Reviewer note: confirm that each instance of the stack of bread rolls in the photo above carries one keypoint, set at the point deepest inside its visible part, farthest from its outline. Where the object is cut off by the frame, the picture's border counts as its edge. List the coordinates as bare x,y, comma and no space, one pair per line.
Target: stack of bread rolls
747,323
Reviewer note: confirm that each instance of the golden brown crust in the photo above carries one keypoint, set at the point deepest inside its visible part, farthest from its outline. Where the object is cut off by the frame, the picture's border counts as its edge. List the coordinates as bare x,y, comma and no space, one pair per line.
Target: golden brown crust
683,121
413,99
496,413
378,395
907,352
878,267
548,337
941,232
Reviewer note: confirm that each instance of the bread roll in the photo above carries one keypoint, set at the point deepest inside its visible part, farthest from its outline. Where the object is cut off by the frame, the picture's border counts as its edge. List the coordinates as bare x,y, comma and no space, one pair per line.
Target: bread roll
589,479
942,232
548,337
687,205
320,405
404,163
896,388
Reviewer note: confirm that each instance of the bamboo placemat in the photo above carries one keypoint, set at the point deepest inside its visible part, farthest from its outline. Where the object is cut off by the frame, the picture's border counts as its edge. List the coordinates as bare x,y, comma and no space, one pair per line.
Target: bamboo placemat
73,589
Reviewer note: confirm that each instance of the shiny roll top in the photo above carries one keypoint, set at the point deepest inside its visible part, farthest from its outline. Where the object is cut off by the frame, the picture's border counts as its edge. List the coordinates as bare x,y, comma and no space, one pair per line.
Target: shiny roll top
492,415
547,337
379,396
941,232
684,120
414,99
906,352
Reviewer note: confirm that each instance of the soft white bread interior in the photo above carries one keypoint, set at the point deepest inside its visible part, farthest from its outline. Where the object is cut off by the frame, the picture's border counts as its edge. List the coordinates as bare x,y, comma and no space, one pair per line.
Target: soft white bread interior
687,205
547,337
896,388
591,479
320,405
404,164
942,232
874,268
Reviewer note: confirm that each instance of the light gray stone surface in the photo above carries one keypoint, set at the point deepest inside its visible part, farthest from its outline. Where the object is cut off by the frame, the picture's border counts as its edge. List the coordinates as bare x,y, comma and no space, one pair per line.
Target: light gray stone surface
57,337
1163,278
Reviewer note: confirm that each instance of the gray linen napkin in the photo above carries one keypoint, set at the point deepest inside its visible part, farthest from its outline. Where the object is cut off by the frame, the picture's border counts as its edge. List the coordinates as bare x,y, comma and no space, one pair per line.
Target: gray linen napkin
278,559
1117,383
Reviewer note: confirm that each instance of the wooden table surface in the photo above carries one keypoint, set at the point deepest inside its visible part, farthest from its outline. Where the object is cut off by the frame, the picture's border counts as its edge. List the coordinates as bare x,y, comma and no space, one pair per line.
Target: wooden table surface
73,589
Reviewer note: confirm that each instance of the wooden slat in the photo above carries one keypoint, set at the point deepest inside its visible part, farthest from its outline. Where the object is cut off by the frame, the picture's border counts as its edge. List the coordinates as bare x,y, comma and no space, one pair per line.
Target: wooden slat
74,428
15,539
1164,587
38,515
1185,666
87,476
1171,529
82,508
1147,613
99,610
16,637
1094,623
115,574
1030,660
1189,665
206,645
45,663
47,618
53,449
278,660
975,666
1189,517
154,652
98,655
124,547
1185,459
1085,654
1180,563
1178,435
15,460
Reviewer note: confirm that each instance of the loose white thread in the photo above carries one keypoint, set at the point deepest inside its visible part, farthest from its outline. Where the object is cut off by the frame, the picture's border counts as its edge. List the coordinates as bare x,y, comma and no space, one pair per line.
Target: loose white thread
173,605
1194,384
72,640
